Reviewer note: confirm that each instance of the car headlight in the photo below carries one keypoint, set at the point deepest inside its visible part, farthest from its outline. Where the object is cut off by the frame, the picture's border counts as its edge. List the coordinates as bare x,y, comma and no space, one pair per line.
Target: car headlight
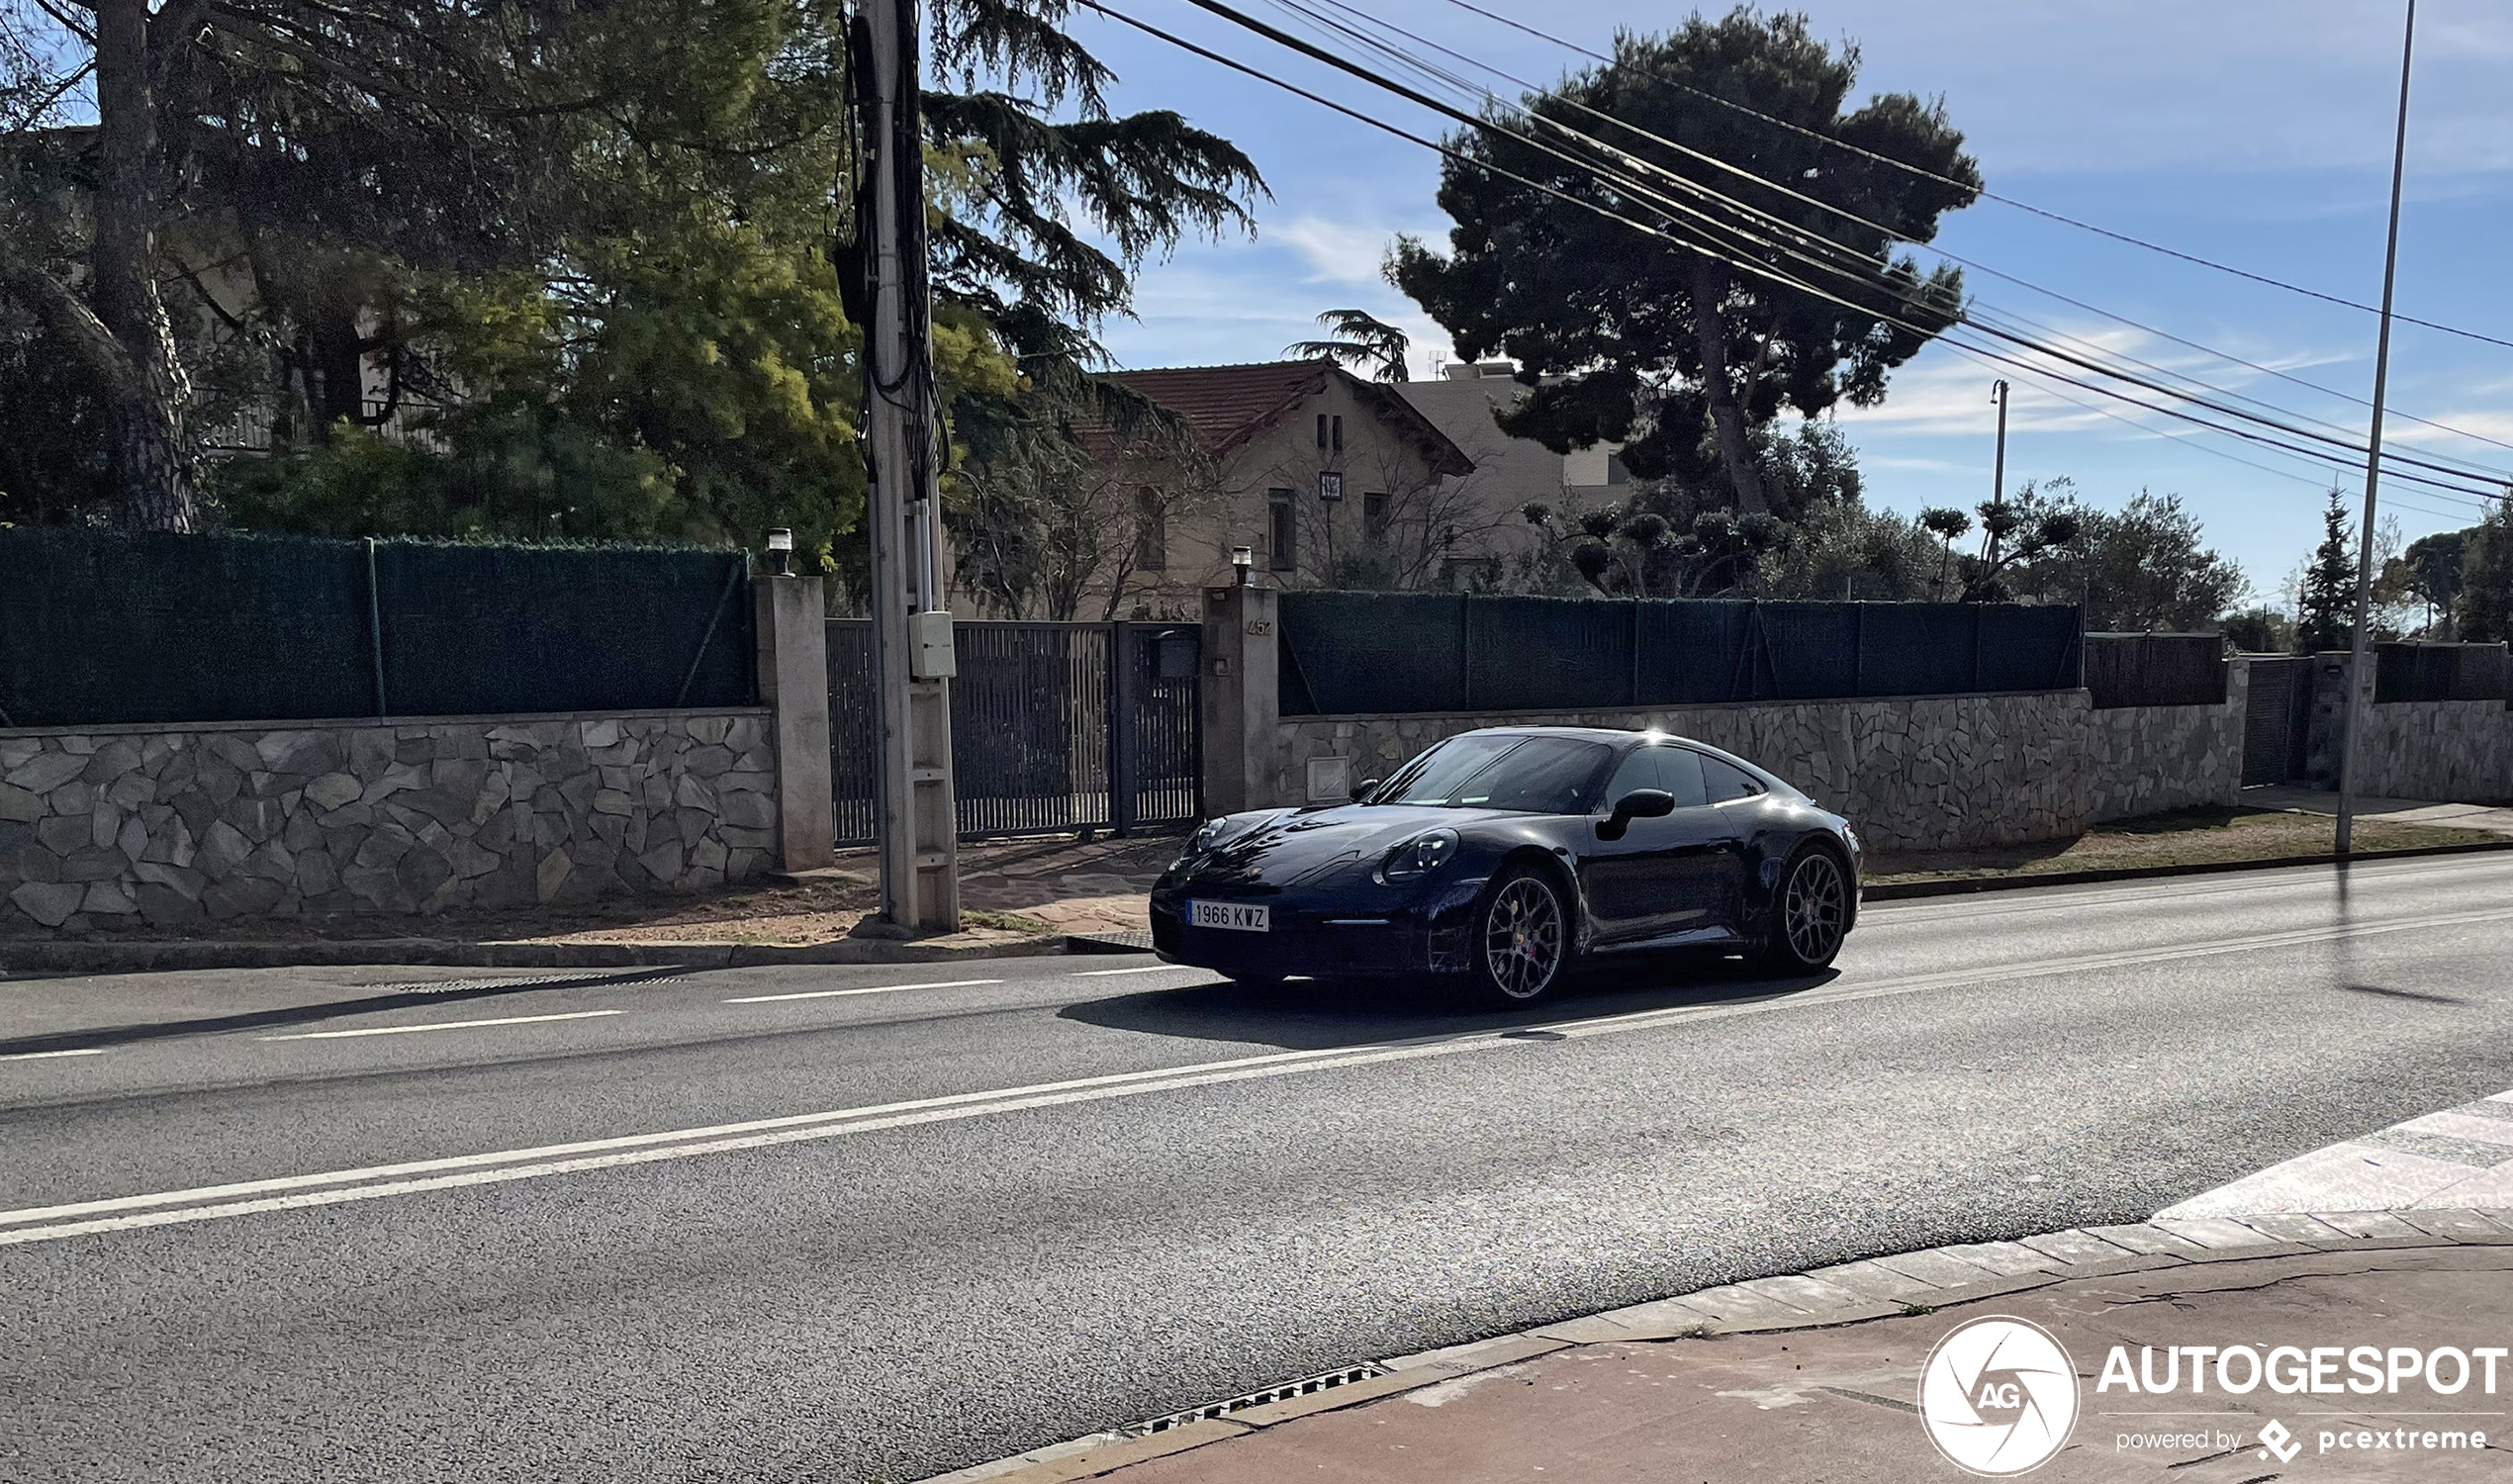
1420,856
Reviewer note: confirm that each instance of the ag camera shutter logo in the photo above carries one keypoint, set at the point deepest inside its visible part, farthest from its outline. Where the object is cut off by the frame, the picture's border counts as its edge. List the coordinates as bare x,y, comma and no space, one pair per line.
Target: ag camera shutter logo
1998,1397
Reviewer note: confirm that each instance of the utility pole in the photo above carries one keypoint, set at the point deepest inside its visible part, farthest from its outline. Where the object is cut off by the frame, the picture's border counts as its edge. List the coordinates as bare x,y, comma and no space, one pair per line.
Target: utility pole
1998,470
2359,650
912,653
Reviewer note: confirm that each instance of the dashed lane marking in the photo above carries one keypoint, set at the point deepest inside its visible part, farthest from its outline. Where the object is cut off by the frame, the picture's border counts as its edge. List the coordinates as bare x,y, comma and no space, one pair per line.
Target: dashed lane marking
82,1050
289,1193
767,999
440,1025
1101,974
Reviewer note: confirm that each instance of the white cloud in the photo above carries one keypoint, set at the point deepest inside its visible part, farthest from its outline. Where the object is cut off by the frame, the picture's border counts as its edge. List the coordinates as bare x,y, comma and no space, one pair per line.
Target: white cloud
1337,252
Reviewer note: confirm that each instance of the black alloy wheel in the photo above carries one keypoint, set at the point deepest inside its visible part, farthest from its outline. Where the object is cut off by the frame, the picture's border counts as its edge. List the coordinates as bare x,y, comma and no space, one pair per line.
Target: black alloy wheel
1813,914
1522,938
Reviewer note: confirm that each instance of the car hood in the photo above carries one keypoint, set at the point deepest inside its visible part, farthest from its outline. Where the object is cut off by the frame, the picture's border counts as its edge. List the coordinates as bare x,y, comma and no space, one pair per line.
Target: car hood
1289,849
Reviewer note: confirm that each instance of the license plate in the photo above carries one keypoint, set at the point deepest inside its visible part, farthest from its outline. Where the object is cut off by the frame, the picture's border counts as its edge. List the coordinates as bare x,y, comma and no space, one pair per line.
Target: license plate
1230,915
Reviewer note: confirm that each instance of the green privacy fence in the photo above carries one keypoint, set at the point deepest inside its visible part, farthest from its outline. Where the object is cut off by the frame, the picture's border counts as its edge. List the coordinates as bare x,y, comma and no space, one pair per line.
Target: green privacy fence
100,627
2155,670
1379,653
2441,671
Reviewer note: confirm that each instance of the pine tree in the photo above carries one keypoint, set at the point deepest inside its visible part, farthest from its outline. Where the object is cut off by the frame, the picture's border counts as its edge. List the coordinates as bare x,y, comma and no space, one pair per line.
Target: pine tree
2326,609
2484,607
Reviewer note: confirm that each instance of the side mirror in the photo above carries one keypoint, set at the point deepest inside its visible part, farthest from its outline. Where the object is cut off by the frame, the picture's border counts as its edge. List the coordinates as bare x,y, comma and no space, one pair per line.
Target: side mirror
1640,803
1365,789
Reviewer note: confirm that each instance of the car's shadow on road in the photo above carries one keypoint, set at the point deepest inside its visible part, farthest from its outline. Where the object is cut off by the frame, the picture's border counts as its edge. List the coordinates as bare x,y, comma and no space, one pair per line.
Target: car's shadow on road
1320,1016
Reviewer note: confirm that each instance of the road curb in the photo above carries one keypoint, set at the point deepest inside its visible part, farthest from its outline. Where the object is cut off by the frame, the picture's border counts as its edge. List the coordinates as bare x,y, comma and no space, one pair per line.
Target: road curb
76,957
1847,1293
1966,886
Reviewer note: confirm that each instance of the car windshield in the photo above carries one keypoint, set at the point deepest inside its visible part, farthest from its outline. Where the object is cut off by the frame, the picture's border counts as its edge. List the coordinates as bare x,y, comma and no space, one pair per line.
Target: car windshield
1535,775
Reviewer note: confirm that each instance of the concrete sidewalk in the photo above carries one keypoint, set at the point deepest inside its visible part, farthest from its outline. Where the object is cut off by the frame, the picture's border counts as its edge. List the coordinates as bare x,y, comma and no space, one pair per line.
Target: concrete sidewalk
2462,817
1743,1383
2400,1239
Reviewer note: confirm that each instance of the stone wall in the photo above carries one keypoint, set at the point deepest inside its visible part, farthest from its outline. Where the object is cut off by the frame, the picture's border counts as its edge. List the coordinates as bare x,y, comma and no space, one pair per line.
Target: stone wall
2455,750
179,824
1922,772
2145,760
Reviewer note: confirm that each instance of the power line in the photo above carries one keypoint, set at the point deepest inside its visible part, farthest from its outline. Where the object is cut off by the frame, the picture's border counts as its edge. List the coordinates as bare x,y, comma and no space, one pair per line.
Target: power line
1463,84
1863,270
2202,447
2008,201
1748,264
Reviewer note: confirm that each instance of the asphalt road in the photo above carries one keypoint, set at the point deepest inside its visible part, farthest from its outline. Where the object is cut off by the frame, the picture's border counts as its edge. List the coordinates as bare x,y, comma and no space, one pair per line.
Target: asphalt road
696,1228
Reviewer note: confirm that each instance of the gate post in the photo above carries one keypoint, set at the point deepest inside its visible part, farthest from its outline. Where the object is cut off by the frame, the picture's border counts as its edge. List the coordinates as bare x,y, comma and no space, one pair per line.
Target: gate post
1241,702
1124,706
794,683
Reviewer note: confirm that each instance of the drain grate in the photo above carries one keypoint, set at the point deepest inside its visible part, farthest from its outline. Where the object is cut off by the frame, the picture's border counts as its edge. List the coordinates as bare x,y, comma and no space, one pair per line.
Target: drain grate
1116,941
524,981
1309,1386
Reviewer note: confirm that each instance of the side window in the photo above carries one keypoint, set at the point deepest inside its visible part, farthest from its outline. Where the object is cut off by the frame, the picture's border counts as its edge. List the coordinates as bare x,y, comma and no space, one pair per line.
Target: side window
1682,771
1725,781
1639,770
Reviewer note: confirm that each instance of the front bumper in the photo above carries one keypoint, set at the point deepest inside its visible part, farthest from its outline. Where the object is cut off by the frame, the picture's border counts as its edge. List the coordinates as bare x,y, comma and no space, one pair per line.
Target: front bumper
1421,933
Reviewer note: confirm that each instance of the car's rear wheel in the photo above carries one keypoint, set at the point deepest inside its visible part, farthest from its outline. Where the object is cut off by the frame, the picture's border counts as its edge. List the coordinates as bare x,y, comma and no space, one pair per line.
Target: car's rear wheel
1812,915
1522,938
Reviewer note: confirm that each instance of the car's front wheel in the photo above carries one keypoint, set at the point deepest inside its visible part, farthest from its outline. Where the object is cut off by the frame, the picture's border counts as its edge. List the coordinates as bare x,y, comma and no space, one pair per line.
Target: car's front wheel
1522,938
1812,915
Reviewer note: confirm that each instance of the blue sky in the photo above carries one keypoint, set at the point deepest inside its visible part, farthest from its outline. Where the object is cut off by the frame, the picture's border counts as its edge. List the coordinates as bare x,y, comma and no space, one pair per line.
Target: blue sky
2253,132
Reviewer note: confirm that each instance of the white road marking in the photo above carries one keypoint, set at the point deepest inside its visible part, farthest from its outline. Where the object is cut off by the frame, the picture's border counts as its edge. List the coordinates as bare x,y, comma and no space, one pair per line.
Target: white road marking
377,1182
1101,974
2372,1174
767,999
2413,871
440,1025
84,1051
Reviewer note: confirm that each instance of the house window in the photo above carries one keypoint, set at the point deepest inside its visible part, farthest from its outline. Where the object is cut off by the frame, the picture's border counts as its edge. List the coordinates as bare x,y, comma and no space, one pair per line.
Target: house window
1322,430
1152,532
1338,420
1329,485
1374,516
1616,473
1282,531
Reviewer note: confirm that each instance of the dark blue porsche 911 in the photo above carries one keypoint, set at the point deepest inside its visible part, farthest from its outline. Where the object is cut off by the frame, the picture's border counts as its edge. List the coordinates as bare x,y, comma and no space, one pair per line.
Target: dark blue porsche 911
1502,856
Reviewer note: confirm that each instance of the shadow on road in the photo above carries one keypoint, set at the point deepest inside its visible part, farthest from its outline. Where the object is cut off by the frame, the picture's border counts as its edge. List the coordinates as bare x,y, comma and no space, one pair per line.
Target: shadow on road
455,992
1321,1015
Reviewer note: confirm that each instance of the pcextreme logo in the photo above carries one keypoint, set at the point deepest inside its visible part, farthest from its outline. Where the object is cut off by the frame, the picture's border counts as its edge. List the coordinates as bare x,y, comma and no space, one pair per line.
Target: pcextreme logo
1998,1397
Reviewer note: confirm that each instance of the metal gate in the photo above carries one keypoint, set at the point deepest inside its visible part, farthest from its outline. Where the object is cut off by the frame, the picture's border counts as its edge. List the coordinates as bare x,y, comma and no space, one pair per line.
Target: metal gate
2276,720
1054,728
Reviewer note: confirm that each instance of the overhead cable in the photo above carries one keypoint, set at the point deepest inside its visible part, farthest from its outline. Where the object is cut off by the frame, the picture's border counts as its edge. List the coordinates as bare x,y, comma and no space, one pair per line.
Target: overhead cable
1656,198
1400,55
1745,264
2008,201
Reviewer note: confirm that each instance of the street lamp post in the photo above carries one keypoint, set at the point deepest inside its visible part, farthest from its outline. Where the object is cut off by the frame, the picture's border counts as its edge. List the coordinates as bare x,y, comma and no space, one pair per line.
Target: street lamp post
2359,650
1998,470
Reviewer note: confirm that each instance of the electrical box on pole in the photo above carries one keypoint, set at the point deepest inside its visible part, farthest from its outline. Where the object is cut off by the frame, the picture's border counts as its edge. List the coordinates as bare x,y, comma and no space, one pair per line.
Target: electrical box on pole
916,823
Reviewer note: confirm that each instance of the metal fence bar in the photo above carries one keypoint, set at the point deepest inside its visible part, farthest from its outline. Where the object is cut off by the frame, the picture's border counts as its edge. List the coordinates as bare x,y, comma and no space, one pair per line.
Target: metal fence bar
1056,727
